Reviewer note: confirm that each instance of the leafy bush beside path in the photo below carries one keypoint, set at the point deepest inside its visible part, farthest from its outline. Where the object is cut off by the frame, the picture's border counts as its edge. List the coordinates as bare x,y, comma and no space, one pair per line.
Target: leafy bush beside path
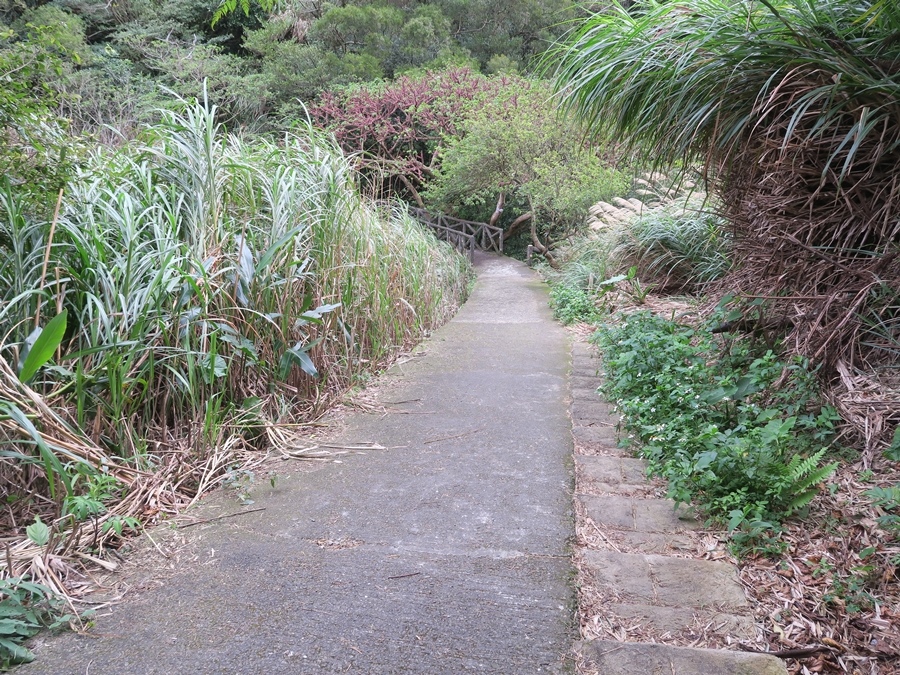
738,432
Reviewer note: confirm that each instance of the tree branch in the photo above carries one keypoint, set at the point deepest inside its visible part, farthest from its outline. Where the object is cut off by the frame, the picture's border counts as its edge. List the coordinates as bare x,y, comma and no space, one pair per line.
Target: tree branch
516,225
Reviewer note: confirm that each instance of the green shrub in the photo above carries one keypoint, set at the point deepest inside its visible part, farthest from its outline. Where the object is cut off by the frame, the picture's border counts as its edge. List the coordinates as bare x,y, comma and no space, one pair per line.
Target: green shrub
714,424
25,609
571,304
517,144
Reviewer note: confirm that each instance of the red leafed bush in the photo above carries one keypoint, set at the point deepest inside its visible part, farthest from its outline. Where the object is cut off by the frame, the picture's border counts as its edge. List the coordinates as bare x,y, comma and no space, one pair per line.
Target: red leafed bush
395,129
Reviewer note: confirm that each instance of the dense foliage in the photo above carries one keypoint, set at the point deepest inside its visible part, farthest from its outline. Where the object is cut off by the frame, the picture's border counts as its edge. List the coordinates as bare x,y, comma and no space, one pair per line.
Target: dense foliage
677,247
458,142
681,80
516,144
109,60
793,105
27,608
395,129
711,419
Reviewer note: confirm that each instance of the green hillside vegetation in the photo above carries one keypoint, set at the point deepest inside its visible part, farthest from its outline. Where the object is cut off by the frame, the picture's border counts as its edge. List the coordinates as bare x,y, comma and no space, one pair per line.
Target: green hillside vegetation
205,241
258,67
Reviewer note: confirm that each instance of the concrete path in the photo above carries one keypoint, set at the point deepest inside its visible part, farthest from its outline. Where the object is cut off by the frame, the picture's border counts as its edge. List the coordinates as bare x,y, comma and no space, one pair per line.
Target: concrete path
445,553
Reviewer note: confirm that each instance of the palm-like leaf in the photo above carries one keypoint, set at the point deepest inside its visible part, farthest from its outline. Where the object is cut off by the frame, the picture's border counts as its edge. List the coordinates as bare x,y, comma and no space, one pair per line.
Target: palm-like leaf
794,107
693,78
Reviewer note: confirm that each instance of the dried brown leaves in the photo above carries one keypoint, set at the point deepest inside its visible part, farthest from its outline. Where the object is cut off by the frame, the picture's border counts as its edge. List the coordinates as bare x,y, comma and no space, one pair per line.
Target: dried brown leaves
837,583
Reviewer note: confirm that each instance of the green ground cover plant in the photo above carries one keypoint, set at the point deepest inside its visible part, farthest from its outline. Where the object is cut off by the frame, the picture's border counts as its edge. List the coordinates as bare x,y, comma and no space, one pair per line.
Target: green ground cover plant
732,428
572,304
26,608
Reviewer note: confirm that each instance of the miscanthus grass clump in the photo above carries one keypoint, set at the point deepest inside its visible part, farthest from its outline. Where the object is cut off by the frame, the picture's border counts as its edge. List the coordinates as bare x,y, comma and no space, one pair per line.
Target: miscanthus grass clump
196,296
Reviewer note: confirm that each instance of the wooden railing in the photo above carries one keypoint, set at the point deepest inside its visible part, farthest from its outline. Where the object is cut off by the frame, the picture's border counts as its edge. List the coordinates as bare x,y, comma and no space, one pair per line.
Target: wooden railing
461,241
465,235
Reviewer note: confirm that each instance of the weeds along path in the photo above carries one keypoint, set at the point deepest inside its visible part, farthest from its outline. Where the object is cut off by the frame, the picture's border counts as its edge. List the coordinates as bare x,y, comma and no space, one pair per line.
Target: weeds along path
443,552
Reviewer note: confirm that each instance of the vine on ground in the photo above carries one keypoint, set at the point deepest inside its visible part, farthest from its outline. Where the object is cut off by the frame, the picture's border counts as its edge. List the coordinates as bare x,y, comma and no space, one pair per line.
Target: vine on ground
736,431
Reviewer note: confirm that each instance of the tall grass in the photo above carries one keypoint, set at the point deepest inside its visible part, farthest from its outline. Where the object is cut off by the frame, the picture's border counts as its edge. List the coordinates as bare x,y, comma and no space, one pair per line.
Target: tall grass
215,288
680,246
676,79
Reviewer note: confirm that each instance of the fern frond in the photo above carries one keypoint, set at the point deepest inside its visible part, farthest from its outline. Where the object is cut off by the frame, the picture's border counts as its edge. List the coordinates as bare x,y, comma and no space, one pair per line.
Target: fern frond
804,476
887,498
229,6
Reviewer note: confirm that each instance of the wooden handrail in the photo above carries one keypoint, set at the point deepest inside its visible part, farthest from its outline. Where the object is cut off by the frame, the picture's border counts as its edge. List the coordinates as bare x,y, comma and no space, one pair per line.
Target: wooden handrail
461,241
484,236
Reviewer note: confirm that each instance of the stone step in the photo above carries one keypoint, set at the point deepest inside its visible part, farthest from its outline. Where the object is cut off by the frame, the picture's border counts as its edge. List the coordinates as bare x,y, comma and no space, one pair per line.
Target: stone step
685,624
627,470
587,381
634,658
588,487
584,349
593,413
587,394
599,434
586,364
636,514
650,542
649,579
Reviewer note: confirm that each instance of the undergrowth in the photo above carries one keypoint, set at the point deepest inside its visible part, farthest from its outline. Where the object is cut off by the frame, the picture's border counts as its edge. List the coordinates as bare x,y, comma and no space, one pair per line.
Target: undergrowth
730,426
572,304
196,297
26,608
680,246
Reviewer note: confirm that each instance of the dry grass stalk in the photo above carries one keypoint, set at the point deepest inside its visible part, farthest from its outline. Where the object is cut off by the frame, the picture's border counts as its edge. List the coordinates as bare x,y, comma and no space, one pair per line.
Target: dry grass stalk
816,230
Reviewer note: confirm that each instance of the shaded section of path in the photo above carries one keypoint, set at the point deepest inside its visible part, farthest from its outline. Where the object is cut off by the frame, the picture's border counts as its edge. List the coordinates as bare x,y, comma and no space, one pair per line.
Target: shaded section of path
445,553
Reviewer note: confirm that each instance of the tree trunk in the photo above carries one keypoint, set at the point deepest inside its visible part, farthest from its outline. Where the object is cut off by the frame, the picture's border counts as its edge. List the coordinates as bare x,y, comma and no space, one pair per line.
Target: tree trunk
412,190
516,225
498,210
538,245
